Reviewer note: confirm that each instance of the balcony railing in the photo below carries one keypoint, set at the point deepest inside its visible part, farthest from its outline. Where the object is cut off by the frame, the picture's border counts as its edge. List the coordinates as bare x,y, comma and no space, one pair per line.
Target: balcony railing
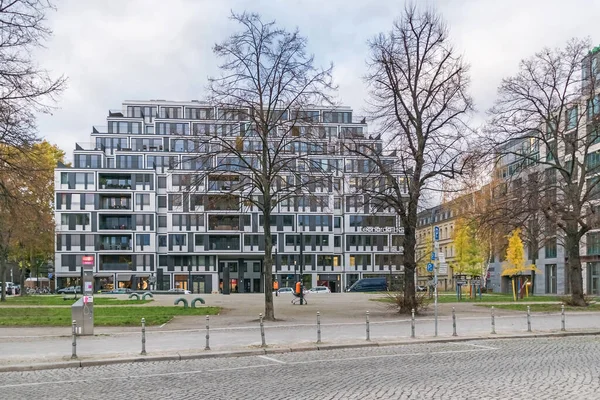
109,246
116,227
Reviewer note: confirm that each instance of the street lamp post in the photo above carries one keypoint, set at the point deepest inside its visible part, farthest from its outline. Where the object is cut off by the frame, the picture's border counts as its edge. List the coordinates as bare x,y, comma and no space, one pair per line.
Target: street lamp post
189,276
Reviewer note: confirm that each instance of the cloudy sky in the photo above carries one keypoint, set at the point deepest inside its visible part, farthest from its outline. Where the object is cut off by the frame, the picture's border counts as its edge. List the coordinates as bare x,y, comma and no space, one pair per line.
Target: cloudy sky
113,50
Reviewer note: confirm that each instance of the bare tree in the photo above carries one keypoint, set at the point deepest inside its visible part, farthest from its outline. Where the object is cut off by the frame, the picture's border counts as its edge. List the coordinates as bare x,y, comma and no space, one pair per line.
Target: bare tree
269,80
546,121
25,88
418,94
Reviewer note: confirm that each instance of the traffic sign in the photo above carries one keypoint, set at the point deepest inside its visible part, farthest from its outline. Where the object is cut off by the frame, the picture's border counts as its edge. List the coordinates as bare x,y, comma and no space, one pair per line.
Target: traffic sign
442,257
443,269
436,233
436,246
432,255
429,267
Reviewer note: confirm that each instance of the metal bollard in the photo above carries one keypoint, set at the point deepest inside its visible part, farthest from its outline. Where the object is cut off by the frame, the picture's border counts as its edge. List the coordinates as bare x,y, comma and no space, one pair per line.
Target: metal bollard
262,331
318,327
143,337
207,347
528,319
454,322
562,317
493,322
74,345
412,324
368,330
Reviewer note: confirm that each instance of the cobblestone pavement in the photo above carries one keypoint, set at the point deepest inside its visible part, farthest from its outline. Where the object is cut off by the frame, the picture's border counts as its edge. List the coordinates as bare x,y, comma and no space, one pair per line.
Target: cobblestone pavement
540,368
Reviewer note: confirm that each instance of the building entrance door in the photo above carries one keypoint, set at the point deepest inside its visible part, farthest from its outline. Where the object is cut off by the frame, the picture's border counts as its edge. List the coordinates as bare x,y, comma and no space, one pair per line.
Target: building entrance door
228,276
594,278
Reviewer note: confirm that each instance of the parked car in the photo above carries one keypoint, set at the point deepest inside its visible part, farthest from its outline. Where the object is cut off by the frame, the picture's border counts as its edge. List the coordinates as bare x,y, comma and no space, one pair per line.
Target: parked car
285,290
69,290
121,291
420,288
369,285
180,291
319,289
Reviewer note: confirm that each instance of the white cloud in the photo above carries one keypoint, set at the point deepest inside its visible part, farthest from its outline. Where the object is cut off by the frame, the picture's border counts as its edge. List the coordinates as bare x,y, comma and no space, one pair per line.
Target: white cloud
146,49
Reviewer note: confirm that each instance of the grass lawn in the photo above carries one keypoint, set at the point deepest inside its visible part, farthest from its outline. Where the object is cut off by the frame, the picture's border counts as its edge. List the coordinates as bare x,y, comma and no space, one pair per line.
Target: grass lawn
104,316
542,307
48,300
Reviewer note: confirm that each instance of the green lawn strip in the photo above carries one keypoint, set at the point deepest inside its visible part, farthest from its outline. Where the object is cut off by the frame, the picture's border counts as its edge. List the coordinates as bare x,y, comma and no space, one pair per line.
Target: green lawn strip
486,298
59,301
104,316
541,307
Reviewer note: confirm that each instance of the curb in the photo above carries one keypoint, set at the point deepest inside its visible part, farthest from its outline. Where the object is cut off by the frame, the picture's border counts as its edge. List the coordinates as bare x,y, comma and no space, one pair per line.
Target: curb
264,351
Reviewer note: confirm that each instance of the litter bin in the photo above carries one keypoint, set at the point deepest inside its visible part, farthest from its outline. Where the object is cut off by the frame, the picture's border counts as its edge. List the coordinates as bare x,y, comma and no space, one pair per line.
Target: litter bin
82,312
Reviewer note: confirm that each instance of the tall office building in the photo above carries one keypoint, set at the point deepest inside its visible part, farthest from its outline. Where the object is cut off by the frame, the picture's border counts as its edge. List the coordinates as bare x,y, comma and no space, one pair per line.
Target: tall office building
139,199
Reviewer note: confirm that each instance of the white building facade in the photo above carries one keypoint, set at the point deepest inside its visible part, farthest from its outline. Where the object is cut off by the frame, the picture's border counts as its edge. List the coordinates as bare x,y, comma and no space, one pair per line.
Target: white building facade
126,201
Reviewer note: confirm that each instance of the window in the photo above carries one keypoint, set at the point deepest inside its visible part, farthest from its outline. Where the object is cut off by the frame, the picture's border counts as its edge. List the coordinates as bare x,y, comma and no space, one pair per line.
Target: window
178,240
550,248
162,221
142,199
551,278
143,240
162,182
593,243
162,201
572,118
162,240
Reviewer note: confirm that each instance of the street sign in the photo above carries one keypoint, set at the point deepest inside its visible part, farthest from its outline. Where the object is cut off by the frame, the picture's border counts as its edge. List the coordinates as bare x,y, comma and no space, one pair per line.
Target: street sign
50,275
436,233
436,246
432,255
442,257
443,270
461,282
429,267
475,282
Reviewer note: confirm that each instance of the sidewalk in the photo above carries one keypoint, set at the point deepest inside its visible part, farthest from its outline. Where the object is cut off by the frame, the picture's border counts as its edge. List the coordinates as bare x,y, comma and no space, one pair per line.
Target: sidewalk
343,322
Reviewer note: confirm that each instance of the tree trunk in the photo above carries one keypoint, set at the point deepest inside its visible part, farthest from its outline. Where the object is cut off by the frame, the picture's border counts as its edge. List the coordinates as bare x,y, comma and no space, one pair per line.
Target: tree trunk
3,277
410,266
268,263
574,268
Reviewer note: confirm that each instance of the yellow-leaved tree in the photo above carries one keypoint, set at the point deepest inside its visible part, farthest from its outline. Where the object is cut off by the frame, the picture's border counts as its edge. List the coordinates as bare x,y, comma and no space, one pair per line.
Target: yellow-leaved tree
469,255
515,260
26,214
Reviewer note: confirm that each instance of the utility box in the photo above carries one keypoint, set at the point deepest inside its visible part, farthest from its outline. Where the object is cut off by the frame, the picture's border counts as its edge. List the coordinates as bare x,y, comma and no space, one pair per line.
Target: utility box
82,312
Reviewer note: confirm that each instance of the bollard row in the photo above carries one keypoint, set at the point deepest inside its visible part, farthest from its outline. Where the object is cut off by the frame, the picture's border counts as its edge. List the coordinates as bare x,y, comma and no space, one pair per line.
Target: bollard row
367,327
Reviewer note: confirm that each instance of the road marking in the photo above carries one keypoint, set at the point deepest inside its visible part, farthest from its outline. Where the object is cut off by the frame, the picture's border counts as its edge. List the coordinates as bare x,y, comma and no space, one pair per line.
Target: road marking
272,359
476,345
180,373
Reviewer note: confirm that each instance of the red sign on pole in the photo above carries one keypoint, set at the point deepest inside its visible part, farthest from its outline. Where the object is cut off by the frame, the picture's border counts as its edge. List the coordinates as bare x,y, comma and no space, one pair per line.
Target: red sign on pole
87,260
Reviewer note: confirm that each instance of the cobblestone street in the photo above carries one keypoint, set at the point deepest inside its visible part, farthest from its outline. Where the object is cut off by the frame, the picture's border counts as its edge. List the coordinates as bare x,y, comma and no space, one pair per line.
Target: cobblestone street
537,368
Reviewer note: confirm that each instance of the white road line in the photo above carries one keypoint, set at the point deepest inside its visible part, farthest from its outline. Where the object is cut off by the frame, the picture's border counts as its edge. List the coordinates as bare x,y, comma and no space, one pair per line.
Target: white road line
113,378
272,359
475,345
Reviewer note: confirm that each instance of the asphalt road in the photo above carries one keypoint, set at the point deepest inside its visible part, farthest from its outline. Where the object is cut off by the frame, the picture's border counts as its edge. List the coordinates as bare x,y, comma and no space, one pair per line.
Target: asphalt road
537,368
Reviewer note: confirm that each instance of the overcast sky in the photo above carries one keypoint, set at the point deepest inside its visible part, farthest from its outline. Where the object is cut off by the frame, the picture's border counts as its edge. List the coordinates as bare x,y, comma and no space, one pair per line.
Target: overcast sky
115,50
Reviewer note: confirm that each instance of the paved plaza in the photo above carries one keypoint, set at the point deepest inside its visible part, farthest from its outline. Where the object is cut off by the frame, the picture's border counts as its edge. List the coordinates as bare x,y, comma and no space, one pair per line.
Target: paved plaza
541,368
342,317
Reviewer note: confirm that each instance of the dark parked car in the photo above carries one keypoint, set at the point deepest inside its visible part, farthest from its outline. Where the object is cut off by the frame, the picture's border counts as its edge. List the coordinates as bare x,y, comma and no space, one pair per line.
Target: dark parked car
421,288
369,285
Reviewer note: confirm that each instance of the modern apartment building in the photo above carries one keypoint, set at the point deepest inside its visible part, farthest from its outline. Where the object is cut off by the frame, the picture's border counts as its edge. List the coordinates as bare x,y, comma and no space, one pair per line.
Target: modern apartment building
134,200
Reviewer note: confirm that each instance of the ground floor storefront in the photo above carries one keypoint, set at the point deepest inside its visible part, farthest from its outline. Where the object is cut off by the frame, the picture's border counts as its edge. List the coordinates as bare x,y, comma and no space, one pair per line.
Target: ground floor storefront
229,278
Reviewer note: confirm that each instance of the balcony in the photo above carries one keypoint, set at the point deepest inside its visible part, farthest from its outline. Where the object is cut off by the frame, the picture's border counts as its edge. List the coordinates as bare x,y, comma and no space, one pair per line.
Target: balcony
109,262
115,202
115,181
115,222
